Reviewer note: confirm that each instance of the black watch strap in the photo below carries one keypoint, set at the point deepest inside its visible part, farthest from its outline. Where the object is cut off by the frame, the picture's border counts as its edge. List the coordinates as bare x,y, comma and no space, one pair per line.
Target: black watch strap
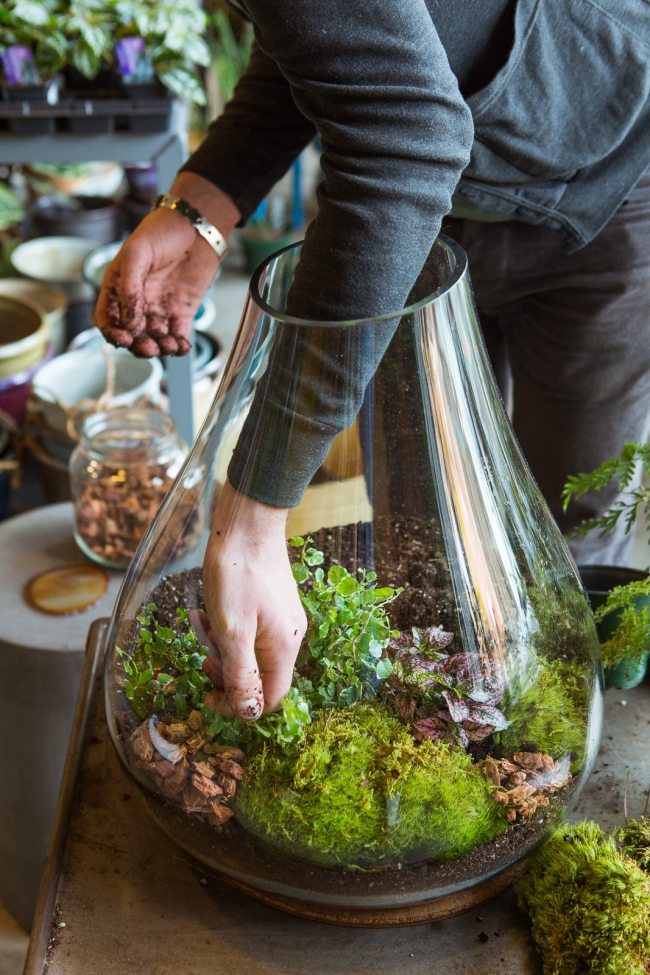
208,231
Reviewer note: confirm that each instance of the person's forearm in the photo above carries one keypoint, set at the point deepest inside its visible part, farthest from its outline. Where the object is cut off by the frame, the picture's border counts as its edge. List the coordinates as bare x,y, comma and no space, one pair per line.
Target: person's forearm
396,136
257,138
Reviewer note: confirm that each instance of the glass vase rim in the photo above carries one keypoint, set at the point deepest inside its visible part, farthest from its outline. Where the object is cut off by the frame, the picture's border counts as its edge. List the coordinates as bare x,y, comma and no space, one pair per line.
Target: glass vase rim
455,275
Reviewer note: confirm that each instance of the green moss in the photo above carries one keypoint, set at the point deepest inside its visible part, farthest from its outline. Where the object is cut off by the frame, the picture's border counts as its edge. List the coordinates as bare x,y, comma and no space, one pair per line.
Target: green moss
635,840
551,713
360,791
589,905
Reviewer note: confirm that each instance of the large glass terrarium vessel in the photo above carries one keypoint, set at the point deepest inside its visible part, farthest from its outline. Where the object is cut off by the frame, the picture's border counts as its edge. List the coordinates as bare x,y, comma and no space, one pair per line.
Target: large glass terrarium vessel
446,701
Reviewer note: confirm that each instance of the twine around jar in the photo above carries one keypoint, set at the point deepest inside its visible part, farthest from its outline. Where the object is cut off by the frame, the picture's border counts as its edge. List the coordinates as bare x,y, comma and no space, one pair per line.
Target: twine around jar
80,410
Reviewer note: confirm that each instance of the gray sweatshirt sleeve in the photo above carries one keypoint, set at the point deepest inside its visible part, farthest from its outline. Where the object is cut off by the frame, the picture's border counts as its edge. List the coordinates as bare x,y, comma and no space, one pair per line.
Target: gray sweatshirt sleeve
373,79
253,143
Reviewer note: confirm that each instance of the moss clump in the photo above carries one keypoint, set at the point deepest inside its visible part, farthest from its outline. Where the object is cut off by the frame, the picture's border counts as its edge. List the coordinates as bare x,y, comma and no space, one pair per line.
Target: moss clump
635,840
360,791
589,905
551,713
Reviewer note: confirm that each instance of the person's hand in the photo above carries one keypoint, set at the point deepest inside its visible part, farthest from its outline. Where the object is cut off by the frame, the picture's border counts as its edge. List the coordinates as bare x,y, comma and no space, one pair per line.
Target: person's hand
256,618
154,286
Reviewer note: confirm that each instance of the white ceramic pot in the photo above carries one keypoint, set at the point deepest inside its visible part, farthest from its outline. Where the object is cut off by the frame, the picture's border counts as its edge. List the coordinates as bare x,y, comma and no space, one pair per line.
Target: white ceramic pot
51,300
58,261
81,374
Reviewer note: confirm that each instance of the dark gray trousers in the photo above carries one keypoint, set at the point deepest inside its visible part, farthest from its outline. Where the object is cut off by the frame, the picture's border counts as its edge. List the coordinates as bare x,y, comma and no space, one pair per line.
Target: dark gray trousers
569,339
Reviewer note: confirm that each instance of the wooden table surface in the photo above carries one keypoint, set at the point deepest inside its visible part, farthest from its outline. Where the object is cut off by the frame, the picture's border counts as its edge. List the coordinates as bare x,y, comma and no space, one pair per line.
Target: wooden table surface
120,898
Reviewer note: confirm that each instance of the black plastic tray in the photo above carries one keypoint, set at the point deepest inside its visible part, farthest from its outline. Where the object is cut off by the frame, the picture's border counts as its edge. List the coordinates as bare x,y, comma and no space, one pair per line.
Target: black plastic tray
87,115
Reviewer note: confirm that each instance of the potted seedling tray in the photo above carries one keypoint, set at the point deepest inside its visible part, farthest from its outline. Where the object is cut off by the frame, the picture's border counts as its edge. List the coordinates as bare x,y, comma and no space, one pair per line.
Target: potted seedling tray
87,115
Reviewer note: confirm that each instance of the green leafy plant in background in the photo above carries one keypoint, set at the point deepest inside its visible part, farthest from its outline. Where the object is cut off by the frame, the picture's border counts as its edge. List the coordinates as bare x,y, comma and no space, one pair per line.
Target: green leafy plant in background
11,209
631,638
589,904
623,469
33,23
173,31
348,630
89,27
231,53
11,213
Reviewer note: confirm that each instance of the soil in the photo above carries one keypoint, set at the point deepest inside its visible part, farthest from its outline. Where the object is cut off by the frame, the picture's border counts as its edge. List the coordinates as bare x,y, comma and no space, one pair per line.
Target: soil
404,552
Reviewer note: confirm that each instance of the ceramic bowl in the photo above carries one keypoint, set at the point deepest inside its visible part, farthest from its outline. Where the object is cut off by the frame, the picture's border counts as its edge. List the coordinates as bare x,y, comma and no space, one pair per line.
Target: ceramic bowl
24,333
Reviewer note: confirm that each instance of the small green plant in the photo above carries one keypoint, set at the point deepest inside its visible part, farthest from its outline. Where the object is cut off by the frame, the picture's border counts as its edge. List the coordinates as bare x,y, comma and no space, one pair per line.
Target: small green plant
164,674
348,631
32,23
589,905
631,638
173,33
443,695
165,668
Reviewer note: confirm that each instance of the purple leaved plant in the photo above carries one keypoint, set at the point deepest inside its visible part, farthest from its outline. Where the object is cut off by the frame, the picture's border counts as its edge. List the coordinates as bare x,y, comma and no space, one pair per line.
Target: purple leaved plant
441,695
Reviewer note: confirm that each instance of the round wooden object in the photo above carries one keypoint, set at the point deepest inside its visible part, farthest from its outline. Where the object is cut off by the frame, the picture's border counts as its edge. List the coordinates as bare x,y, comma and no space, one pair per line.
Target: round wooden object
390,917
30,544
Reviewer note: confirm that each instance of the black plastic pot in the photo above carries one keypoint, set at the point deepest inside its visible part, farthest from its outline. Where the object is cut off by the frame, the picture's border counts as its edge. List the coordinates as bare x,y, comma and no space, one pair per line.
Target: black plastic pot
143,181
98,219
90,124
147,89
42,95
599,580
105,84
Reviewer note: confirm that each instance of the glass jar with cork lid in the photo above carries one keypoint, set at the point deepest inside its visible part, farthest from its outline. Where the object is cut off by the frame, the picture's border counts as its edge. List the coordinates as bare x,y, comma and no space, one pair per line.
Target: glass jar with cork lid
120,472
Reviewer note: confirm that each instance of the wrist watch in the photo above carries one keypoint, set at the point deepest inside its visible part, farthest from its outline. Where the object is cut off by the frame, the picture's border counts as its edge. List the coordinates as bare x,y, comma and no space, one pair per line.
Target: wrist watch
208,231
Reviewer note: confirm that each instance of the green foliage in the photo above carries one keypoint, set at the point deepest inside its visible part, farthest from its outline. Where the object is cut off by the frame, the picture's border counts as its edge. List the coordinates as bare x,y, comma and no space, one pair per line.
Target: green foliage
11,211
165,667
635,840
231,54
623,469
360,791
173,32
631,639
84,33
348,631
89,26
551,713
164,673
589,905
32,23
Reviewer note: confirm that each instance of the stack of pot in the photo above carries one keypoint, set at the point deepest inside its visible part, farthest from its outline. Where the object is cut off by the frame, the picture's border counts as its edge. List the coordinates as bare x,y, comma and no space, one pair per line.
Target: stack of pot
24,348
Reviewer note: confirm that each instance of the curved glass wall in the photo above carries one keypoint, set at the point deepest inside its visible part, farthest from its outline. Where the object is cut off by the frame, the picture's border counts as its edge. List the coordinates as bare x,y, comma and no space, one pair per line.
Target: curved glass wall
445,706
